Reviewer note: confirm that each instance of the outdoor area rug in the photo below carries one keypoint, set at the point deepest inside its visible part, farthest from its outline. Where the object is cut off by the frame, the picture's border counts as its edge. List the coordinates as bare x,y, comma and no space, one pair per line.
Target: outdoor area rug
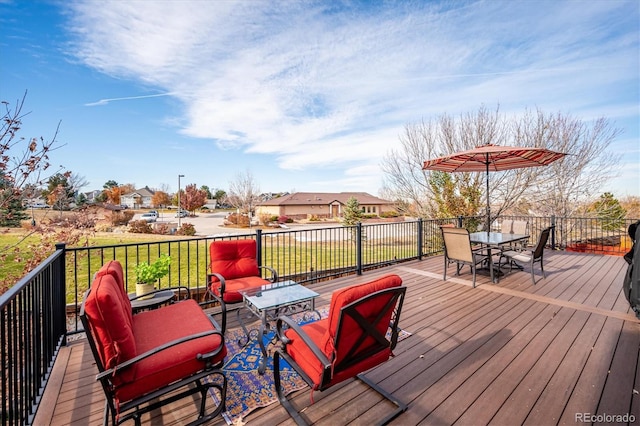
248,390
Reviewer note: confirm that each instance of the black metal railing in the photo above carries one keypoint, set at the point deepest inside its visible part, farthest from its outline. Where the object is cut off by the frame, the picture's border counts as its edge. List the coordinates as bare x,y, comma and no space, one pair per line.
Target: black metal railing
40,311
32,330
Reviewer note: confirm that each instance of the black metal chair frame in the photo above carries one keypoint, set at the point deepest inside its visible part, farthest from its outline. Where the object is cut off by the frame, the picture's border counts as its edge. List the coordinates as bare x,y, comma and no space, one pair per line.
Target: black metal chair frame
535,256
473,258
135,408
369,330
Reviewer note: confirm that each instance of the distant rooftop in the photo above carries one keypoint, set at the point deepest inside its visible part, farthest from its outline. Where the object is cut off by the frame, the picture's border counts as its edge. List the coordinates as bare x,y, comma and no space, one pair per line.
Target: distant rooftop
315,198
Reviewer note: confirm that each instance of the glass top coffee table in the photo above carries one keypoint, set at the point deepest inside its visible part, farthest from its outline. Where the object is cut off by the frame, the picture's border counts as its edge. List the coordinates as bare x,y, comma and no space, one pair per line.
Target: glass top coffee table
272,300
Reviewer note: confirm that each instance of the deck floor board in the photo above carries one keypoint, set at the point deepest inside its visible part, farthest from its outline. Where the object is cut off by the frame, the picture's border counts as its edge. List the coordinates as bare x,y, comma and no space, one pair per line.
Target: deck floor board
505,353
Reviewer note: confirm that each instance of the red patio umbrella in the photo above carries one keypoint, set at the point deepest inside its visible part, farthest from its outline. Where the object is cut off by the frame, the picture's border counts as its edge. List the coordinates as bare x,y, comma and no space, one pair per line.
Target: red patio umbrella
495,158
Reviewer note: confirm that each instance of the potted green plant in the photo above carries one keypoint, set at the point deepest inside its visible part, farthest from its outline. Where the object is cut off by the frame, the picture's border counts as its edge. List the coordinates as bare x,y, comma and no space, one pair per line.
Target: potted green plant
148,274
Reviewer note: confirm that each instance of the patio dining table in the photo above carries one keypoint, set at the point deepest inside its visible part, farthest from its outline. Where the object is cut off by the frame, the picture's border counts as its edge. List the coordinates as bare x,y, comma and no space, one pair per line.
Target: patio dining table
495,240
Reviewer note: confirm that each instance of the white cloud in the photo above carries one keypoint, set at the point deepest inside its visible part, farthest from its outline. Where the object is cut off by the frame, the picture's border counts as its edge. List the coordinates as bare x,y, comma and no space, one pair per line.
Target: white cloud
331,85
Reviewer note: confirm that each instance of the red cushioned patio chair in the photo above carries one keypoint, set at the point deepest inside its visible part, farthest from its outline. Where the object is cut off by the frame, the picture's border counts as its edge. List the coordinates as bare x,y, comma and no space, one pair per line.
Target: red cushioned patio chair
351,340
234,267
143,357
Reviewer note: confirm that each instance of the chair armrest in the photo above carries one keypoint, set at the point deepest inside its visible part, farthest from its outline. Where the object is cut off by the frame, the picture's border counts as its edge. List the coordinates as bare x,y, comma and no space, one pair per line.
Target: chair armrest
220,300
484,252
223,309
285,320
220,279
168,345
274,274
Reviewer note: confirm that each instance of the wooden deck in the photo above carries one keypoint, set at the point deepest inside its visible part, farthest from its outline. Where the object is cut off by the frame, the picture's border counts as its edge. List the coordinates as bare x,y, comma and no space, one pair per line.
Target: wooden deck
505,354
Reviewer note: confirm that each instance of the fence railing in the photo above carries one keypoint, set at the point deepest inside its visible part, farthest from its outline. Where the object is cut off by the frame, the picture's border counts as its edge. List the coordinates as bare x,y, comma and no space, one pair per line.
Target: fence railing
40,312
32,330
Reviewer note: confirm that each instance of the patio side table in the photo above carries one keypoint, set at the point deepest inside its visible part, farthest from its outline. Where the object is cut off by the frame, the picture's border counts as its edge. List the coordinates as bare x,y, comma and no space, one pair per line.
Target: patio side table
160,298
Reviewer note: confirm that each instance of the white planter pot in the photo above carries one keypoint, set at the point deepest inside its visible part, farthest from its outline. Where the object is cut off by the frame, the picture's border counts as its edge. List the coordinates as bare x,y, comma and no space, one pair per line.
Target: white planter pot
144,288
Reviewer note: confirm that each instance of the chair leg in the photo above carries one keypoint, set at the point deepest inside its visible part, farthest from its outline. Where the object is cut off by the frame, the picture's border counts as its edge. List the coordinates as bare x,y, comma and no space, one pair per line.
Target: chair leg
533,275
444,278
402,407
281,396
105,415
473,271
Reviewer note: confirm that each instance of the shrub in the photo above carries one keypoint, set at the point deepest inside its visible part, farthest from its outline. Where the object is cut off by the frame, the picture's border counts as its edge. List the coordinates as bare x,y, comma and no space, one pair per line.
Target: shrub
162,229
265,219
121,217
140,227
240,220
284,219
314,218
391,213
186,229
104,227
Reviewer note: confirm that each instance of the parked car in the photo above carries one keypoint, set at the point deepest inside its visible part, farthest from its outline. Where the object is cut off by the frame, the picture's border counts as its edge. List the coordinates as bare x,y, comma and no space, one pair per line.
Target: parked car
149,217
182,213
40,206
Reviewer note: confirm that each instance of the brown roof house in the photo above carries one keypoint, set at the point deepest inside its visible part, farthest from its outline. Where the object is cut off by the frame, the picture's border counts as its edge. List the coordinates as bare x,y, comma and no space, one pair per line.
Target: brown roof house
140,198
322,205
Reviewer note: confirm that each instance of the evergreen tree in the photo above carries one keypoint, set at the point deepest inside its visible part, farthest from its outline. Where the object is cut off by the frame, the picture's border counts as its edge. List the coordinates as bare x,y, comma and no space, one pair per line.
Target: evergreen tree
352,212
11,208
610,212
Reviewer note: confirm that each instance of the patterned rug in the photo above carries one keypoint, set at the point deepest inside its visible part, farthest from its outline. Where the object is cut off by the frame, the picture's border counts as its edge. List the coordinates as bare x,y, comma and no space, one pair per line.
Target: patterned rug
248,390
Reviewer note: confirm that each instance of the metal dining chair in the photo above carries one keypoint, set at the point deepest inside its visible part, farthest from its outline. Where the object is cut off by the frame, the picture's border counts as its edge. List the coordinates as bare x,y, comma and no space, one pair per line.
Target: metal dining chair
530,257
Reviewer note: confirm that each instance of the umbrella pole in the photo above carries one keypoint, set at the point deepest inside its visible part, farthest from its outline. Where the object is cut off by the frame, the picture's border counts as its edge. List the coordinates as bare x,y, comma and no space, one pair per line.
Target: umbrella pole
488,205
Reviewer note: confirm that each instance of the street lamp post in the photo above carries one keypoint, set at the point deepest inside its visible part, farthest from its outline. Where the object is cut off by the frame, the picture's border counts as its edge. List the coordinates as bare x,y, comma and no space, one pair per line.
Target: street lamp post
179,206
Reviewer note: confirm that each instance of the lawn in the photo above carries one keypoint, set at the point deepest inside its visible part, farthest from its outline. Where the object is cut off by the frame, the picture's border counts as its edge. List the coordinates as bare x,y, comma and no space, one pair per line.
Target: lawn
22,239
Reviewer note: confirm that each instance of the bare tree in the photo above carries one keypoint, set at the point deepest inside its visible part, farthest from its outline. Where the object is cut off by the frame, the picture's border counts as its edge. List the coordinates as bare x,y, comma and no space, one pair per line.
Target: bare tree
404,178
22,162
243,193
553,189
566,185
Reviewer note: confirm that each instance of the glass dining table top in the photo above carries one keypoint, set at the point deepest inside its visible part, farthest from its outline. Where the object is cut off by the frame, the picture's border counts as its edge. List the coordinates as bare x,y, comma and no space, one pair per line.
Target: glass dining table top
496,238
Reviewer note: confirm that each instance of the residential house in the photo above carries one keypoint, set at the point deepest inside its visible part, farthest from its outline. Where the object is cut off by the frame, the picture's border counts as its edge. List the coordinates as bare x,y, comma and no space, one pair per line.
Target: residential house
140,198
92,196
322,205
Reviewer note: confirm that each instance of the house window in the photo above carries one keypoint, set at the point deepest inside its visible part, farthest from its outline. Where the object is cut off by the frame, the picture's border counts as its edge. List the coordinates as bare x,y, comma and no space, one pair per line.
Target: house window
374,209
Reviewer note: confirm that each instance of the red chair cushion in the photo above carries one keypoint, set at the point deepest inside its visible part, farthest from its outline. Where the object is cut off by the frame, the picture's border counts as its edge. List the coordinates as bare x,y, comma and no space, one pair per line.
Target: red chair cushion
234,259
156,327
114,268
233,287
323,332
110,316
300,352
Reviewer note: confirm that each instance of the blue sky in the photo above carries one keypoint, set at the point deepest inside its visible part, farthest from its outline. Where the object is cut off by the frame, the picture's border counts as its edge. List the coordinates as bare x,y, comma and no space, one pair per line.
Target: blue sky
307,96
